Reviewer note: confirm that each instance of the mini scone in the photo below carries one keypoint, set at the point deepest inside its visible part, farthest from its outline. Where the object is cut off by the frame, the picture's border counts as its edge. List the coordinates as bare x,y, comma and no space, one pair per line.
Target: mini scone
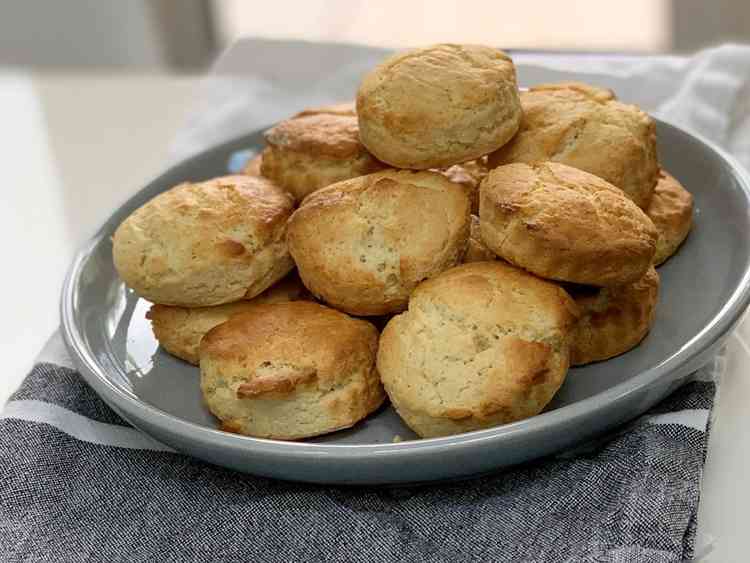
588,128
179,329
206,243
290,370
565,224
252,168
671,210
364,244
469,175
312,151
613,319
482,344
476,251
439,106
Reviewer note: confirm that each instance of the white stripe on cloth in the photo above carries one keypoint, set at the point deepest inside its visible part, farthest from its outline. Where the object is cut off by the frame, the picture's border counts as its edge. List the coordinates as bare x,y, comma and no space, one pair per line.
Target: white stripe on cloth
87,430
81,427
692,418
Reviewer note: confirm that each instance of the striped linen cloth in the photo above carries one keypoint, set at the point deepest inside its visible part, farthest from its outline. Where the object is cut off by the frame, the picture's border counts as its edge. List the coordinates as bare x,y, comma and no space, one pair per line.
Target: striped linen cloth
77,483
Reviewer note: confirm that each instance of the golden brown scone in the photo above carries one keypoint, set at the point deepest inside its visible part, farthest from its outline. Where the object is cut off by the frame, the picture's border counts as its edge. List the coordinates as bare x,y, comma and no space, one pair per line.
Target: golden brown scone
613,319
312,151
482,344
252,168
439,106
179,329
476,250
206,243
586,127
364,244
469,175
290,370
565,224
671,210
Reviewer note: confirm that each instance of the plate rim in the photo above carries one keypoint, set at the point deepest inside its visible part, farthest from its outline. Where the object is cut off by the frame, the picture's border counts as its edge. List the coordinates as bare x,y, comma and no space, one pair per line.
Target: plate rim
723,321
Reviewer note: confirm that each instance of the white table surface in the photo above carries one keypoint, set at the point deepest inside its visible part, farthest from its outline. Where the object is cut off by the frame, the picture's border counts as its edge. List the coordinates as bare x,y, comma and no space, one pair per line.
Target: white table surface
75,146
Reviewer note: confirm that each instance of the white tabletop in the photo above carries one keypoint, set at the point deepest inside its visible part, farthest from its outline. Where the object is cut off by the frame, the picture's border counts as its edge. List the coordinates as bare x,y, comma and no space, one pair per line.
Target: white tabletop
76,146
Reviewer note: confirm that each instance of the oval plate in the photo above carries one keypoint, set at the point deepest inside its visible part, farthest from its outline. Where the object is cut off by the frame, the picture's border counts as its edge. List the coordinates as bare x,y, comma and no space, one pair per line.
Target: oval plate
705,289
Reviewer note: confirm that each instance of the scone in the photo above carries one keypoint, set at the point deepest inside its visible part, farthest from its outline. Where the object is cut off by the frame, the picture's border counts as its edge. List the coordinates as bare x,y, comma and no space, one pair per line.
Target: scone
565,224
586,127
482,344
613,319
364,244
476,250
252,168
671,210
439,106
179,329
206,243
469,175
290,371
312,151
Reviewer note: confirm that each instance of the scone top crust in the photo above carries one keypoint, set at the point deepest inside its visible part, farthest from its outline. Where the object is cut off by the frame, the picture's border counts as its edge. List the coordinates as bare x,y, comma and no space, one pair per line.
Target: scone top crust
201,244
576,91
363,244
438,106
316,149
588,128
319,134
274,348
496,294
344,108
565,224
481,344
671,210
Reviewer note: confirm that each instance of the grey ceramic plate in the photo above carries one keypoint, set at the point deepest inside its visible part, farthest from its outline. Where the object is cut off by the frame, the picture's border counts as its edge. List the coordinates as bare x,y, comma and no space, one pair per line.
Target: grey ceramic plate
704,291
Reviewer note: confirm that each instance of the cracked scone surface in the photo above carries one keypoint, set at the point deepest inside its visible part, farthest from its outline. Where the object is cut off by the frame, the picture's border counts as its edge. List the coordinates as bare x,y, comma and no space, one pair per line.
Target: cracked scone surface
439,106
364,244
613,319
179,329
588,128
671,210
290,370
482,344
206,243
314,149
565,224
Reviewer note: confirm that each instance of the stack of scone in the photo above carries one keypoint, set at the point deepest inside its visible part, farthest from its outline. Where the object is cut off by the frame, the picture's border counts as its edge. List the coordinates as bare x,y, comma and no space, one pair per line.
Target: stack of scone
495,236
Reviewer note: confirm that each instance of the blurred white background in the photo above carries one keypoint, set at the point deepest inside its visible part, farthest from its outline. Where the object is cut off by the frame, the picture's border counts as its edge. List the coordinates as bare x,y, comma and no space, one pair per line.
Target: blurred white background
187,34
637,25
